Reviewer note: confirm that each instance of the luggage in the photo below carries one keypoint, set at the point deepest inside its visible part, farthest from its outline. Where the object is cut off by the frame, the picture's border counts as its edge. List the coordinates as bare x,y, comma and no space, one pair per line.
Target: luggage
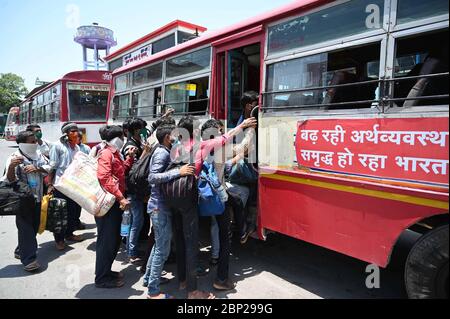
243,173
16,198
80,183
211,194
179,188
57,215
137,178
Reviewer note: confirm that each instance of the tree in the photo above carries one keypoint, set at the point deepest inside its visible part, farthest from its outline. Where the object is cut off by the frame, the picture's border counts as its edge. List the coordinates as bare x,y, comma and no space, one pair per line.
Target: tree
12,90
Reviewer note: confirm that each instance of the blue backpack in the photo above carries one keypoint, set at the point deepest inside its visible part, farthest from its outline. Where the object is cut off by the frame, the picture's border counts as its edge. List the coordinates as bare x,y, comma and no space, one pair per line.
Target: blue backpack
211,195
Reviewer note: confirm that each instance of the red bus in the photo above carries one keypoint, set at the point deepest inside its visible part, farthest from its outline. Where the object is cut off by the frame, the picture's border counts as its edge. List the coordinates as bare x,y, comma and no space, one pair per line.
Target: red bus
79,97
353,129
12,124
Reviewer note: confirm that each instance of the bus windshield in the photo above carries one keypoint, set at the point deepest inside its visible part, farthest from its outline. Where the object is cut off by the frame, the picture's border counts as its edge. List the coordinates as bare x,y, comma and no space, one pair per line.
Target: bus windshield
87,102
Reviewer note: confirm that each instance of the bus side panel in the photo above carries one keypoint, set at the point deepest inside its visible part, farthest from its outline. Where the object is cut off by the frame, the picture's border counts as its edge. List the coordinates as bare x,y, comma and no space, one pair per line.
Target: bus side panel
360,226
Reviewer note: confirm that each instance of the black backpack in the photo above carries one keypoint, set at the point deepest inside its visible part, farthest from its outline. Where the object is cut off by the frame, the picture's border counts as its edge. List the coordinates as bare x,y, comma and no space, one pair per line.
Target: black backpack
181,188
16,198
137,178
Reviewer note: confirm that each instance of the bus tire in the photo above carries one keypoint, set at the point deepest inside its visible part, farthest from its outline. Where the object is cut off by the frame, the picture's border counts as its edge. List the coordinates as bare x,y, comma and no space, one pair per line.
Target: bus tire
426,269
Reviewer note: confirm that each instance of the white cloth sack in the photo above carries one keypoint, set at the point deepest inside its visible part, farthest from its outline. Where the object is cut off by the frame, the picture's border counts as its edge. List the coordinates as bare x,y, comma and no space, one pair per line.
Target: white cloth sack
80,183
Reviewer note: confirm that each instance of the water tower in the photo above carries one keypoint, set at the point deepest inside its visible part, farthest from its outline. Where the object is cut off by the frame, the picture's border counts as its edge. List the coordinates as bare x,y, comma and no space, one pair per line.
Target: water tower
96,38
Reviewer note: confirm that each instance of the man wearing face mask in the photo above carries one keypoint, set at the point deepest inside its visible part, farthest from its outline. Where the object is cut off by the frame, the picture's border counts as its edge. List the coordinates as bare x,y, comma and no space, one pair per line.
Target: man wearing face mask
28,165
43,145
111,176
61,156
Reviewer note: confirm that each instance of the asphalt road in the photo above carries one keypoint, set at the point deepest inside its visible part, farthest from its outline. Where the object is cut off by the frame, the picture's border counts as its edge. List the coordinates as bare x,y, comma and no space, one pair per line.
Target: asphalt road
281,267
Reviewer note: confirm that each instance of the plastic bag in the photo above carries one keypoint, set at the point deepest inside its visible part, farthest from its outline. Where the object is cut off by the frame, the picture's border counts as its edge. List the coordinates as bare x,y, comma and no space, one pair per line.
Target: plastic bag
80,183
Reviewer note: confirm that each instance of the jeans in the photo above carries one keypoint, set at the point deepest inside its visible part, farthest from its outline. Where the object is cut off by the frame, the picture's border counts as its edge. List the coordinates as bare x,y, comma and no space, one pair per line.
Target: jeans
73,210
108,243
28,225
137,220
185,217
223,222
215,243
162,227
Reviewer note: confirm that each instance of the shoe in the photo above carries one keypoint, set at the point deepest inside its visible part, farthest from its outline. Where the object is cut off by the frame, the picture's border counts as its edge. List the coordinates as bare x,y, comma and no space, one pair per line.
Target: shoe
214,262
33,266
246,234
117,275
75,238
17,255
116,283
201,271
60,246
224,285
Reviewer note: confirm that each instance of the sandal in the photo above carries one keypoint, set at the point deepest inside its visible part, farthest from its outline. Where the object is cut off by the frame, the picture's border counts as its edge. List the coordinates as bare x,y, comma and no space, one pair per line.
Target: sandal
201,295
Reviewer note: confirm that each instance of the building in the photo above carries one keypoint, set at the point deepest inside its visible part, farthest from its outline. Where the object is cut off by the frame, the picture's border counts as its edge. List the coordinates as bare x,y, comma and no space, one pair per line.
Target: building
161,39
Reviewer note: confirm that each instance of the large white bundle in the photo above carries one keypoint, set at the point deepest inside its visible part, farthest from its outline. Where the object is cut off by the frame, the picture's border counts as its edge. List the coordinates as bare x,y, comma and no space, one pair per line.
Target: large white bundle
80,183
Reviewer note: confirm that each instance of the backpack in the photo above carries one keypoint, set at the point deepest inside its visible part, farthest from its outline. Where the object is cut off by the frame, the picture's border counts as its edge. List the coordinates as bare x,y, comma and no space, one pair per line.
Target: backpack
180,188
243,173
137,178
16,198
211,194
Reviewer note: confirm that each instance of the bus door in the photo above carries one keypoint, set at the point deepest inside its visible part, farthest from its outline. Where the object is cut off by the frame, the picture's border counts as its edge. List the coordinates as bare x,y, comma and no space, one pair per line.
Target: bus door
237,70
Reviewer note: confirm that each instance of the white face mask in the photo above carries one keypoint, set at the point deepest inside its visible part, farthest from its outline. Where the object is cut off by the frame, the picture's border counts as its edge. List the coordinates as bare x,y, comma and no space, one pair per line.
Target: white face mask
29,150
117,143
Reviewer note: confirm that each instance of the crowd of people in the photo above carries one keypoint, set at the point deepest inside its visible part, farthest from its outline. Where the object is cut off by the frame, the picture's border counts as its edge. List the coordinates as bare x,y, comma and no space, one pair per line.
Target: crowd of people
176,156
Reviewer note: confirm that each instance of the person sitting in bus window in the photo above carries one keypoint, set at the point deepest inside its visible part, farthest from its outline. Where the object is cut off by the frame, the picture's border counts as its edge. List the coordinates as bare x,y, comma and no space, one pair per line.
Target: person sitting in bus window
28,165
43,145
249,101
61,156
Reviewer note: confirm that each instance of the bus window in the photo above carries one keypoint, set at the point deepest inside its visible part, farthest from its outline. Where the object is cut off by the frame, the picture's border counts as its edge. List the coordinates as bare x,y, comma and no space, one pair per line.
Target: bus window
411,10
189,63
122,83
147,75
345,19
421,55
87,105
121,105
144,103
189,96
352,65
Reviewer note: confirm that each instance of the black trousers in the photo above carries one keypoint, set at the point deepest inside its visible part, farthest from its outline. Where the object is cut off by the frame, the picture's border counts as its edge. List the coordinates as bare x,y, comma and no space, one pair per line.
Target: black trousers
185,226
27,227
224,221
240,214
108,243
73,215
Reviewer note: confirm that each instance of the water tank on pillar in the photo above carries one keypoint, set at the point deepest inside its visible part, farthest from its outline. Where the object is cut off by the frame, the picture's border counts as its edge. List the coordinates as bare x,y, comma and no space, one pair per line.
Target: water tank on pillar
96,39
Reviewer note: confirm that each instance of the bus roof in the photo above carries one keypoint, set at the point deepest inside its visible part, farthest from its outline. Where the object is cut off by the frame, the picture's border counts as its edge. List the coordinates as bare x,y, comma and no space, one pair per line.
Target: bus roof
102,77
209,37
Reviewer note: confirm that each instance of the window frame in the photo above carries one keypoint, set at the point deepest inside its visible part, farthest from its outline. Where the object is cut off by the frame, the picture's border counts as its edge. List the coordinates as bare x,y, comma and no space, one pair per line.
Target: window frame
192,74
317,46
148,84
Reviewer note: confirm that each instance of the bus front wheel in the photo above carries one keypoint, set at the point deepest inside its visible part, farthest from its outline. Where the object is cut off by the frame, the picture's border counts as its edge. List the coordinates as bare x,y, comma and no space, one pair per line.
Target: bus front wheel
426,270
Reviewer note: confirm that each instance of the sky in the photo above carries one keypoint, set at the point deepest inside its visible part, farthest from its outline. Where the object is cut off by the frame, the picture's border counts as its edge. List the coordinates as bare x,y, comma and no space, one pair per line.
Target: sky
36,36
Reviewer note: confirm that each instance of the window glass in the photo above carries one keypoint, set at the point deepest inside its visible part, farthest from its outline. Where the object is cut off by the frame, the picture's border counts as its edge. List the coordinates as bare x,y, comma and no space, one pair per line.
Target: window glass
188,96
147,75
87,104
144,102
121,105
163,44
122,83
421,55
115,64
410,10
189,63
333,68
346,19
185,36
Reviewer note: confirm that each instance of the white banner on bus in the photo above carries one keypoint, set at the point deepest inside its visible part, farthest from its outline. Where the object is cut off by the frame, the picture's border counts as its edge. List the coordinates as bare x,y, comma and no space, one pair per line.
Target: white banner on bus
138,54
88,87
